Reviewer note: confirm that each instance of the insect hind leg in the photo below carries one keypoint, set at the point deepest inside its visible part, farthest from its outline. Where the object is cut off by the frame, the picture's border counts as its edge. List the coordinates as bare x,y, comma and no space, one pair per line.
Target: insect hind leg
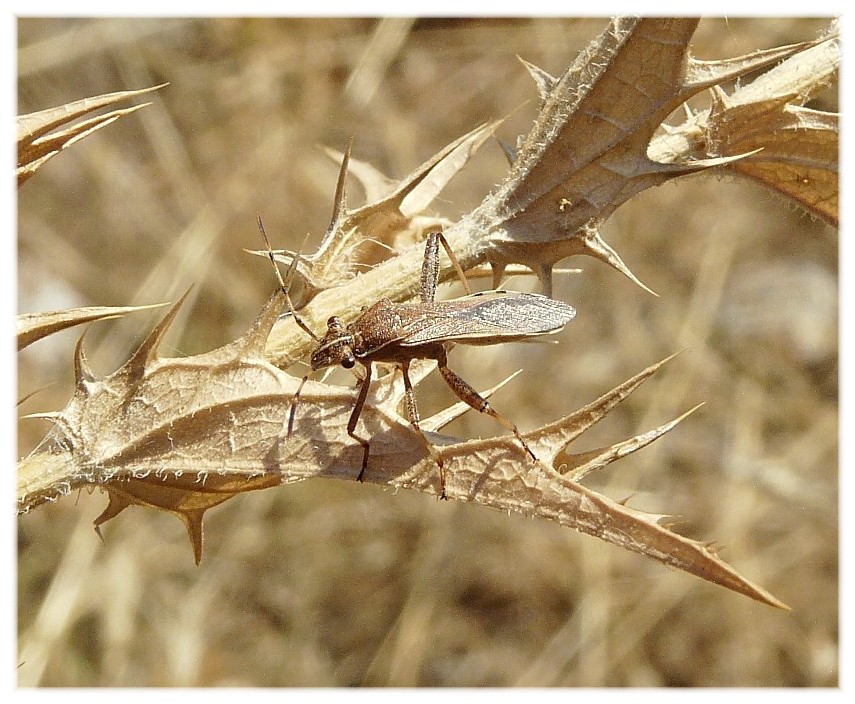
464,391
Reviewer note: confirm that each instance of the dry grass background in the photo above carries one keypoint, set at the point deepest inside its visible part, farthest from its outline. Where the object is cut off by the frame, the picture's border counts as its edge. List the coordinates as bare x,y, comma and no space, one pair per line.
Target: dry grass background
337,584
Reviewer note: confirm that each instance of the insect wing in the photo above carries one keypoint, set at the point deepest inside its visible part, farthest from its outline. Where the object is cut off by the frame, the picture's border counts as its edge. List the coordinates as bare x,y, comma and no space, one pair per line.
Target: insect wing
490,317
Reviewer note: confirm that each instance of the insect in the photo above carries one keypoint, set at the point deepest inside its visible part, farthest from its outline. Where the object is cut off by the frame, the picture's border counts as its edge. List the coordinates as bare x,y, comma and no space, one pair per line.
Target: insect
402,332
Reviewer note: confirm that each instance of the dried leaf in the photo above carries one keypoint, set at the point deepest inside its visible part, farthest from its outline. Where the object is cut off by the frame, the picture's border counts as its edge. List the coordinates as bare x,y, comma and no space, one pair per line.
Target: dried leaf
185,497
799,157
186,434
375,184
799,146
36,145
150,418
588,151
35,326
392,219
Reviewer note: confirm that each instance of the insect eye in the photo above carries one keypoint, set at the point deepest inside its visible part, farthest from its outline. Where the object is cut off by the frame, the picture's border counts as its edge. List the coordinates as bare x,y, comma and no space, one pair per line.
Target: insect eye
348,362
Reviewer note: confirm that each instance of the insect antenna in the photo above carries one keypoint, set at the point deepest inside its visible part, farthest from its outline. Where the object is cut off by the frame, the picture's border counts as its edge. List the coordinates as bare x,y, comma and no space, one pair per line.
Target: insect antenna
290,276
292,410
455,262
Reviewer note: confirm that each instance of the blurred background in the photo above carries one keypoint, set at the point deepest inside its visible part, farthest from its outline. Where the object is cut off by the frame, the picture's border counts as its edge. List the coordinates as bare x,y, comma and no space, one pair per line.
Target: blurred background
338,584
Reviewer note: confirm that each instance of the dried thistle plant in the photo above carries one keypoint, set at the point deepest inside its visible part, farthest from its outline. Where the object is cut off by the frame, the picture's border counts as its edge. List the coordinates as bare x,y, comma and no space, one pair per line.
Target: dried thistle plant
185,434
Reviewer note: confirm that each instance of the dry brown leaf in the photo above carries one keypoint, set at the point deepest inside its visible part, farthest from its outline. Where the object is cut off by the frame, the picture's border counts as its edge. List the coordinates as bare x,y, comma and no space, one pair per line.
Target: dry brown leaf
799,146
38,142
137,421
186,434
392,219
589,149
397,218
35,326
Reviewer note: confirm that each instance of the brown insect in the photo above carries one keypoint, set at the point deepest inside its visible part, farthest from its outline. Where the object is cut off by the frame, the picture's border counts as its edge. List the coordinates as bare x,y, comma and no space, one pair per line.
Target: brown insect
402,332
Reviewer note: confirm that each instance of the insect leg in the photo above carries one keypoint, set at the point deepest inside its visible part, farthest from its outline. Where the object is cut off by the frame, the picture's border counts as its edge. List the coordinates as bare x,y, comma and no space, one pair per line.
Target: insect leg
471,397
292,411
413,413
354,418
430,267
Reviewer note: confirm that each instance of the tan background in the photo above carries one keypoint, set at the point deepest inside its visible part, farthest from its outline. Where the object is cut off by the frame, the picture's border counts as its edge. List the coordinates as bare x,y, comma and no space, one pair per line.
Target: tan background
337,584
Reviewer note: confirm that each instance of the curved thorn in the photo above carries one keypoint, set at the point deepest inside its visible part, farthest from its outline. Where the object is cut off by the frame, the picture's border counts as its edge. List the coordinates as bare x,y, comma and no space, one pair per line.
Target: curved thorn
598,248
82,371
340,188
139,360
